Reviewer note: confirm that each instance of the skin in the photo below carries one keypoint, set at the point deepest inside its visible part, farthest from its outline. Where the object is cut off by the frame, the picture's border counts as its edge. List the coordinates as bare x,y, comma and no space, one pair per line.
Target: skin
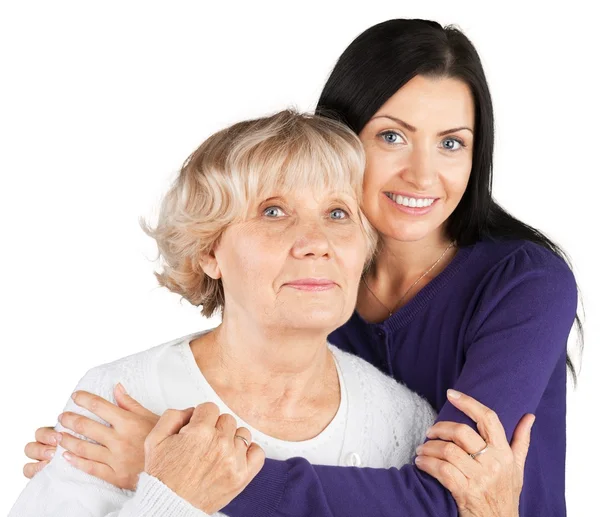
420,144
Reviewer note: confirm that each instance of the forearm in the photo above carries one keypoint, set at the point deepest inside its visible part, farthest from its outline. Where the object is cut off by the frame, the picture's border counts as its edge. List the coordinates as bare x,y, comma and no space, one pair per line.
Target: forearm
296,488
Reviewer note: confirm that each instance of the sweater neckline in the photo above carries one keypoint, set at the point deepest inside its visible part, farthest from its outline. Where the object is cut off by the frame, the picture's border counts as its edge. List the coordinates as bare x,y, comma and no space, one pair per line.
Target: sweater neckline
260,437
406,313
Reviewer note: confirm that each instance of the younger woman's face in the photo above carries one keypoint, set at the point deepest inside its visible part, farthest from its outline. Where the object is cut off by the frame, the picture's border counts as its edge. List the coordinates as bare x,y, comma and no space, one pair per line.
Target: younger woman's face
419,149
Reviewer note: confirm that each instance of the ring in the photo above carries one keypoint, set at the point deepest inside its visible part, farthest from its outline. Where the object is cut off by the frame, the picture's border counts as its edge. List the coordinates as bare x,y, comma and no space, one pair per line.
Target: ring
475,454
242,438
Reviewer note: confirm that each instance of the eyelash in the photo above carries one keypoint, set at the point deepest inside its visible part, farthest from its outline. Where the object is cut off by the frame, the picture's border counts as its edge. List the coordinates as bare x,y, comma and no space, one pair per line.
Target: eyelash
383,134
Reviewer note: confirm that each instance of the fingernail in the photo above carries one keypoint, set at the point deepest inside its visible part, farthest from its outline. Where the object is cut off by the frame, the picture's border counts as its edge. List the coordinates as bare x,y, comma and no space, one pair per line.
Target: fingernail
60,418
74,395
419,449
68,456
418,460
428,433
453,394
49,454
58,438
121,388
532,422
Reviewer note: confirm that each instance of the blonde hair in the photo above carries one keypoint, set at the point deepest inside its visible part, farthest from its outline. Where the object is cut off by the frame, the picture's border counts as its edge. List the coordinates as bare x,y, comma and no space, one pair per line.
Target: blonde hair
230,171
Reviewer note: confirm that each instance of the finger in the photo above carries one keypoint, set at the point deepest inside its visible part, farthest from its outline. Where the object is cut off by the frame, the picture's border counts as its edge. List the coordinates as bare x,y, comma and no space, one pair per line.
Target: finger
170,423
87,427
31,469
256,459
93,468
448,475
488,424
207,414
128,403
85,449
226,424
106,410
47,436
244,433
39,452
461,434
451,453
520,441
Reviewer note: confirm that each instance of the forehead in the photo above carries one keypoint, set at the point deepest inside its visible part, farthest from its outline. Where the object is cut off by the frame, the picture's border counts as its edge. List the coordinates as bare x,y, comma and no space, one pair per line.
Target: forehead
438,103
308,196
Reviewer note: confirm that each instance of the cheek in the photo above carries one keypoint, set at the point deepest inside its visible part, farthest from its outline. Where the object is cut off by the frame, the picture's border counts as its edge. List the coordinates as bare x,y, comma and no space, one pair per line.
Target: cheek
455,179
248,260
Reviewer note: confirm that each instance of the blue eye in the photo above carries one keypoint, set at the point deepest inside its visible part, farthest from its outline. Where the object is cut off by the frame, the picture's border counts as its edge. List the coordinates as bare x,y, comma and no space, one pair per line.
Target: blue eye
452,144
390,137
339,214
273,212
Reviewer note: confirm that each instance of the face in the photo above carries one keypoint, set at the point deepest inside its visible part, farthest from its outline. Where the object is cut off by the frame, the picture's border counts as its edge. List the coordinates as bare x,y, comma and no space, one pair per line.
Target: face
295,263
419,148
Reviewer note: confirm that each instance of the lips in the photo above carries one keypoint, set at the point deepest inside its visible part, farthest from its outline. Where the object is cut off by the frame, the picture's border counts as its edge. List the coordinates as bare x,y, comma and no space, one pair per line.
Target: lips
311,284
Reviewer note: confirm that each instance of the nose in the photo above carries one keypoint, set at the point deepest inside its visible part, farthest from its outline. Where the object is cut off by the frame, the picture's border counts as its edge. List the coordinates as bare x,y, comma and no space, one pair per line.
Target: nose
421,172
311,242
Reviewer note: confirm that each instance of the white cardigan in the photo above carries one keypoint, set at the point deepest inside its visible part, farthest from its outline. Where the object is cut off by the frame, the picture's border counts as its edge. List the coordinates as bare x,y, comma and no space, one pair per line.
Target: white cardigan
379,424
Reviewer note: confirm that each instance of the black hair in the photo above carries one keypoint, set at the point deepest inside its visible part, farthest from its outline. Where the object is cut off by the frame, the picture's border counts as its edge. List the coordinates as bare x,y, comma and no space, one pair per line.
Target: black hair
388,55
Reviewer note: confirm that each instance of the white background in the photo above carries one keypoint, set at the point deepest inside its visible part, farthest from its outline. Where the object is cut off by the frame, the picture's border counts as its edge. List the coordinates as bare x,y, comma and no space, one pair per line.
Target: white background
102,101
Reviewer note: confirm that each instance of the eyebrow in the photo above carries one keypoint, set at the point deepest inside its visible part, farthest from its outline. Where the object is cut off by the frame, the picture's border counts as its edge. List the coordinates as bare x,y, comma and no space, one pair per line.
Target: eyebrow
413,129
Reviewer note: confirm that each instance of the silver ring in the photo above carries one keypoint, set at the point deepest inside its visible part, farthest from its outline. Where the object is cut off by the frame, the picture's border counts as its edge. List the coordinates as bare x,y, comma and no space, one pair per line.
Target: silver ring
242,438
475,454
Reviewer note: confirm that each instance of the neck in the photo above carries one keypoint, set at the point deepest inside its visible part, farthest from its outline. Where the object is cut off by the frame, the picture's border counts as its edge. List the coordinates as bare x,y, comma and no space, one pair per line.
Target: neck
400,260
283,368
400,271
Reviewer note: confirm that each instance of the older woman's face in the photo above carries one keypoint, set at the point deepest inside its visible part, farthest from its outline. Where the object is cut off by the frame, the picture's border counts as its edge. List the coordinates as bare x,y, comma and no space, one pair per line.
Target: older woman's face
419,148
295,263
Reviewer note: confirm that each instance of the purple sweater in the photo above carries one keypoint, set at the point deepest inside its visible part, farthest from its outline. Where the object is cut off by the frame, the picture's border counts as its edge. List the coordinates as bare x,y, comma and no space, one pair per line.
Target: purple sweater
494,324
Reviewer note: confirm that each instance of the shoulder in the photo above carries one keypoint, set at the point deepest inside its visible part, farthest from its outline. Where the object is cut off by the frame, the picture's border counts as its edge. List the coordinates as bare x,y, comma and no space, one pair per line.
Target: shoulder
137,372
519,257
526,269
398,416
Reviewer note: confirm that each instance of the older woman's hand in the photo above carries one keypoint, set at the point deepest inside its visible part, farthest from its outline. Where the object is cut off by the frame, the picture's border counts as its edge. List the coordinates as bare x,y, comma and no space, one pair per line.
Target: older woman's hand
217,457
483,472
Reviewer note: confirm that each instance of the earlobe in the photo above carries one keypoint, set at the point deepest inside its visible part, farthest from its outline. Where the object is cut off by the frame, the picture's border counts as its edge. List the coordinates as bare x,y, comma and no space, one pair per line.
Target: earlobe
210,266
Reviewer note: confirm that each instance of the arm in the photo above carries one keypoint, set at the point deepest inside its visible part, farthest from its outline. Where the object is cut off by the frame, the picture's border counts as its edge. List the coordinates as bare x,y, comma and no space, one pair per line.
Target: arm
514,343
62,490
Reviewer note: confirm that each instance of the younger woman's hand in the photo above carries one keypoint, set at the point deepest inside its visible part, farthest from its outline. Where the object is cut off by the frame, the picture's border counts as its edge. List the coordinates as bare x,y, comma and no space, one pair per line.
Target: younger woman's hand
42,450
490,483
118,454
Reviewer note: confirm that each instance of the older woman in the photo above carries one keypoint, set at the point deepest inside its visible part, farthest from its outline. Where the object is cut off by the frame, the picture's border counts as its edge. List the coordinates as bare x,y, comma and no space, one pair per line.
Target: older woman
263,222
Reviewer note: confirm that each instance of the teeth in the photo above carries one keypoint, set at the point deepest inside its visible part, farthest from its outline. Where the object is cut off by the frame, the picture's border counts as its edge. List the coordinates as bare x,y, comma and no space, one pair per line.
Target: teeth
411,201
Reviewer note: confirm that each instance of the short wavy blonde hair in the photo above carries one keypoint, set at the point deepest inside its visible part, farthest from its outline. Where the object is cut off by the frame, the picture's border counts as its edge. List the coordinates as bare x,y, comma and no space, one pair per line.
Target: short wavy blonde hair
232,170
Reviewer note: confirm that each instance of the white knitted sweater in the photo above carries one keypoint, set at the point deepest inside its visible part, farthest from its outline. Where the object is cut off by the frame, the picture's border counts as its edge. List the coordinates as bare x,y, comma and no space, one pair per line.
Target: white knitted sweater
379,424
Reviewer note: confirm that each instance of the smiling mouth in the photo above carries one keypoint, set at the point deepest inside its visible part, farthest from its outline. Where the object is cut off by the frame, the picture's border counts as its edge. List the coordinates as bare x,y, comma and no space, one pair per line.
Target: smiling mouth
411,202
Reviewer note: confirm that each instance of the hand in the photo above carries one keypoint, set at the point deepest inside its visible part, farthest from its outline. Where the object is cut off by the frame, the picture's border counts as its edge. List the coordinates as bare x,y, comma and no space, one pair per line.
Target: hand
118,455
195,453
42,450
490,484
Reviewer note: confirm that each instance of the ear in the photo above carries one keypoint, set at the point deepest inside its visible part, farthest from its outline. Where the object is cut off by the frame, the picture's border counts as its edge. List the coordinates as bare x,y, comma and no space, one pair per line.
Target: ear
210,265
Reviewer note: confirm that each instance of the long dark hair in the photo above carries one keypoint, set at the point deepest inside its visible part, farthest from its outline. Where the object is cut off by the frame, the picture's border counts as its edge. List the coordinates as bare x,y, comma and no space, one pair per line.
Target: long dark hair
388,55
